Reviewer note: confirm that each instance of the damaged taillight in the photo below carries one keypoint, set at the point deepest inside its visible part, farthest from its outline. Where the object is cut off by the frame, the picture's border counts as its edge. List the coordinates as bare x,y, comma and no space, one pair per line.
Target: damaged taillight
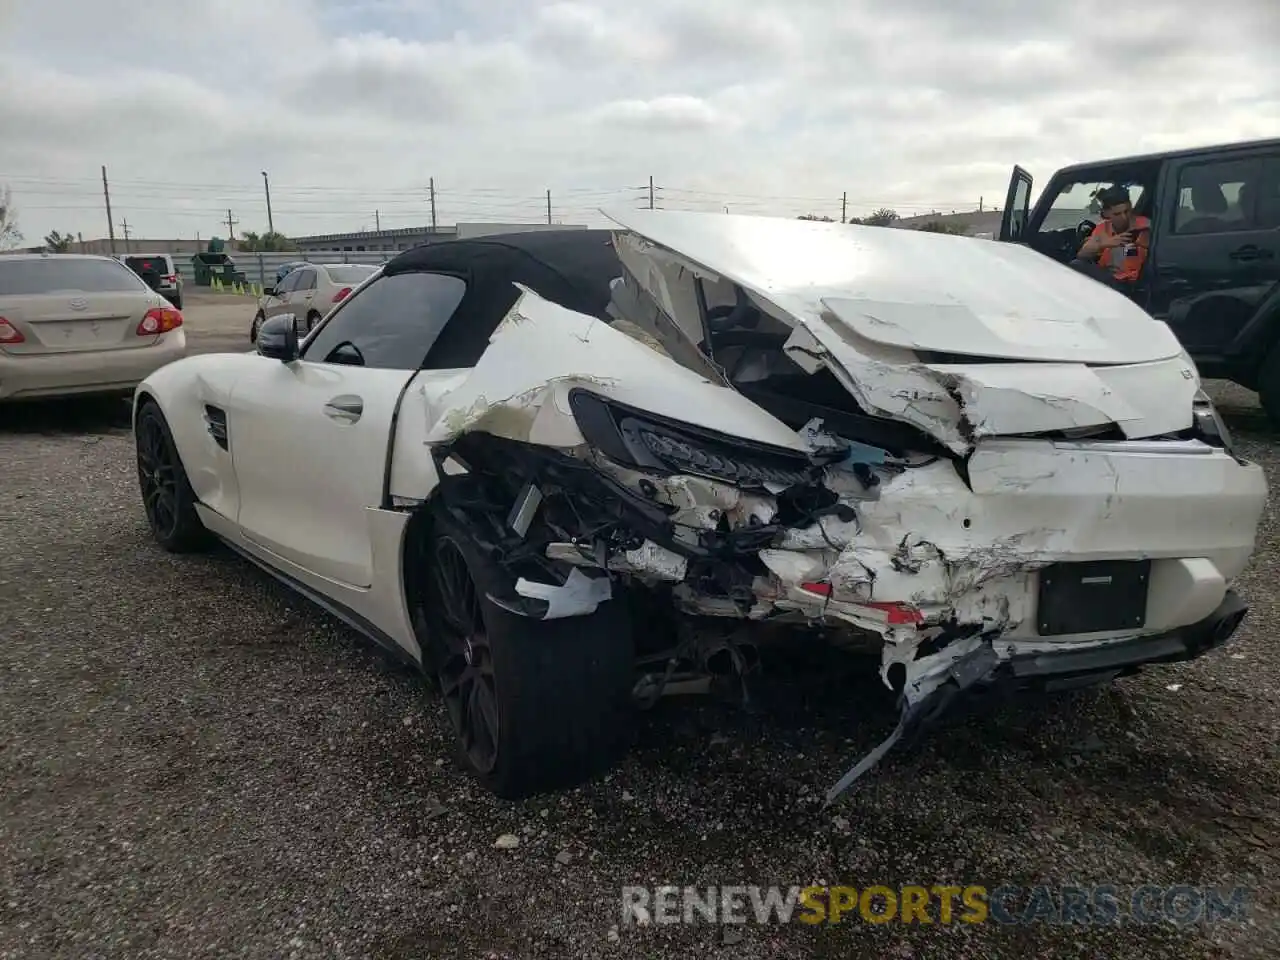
896,614
639,439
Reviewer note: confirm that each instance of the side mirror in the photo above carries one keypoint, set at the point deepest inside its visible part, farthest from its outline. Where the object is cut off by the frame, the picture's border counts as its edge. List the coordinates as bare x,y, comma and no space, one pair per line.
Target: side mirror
278,338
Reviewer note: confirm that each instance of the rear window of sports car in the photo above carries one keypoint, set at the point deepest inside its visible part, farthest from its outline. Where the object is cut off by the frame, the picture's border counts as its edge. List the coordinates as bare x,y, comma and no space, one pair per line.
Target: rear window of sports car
56,274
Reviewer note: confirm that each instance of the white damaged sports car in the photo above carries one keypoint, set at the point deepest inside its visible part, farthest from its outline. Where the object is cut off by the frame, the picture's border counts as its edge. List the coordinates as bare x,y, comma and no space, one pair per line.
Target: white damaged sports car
539,465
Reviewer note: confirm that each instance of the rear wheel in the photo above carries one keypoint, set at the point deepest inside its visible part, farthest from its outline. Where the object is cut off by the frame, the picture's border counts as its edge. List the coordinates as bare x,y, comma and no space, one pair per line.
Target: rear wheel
167,497
258,321
535,704
1269,384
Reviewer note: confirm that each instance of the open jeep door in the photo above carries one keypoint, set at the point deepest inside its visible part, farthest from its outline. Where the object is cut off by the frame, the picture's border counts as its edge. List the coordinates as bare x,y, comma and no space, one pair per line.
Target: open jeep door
1017,206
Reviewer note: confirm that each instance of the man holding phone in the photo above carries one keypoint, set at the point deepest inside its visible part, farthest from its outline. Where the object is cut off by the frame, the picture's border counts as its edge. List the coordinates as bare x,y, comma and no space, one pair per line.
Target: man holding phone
1116,250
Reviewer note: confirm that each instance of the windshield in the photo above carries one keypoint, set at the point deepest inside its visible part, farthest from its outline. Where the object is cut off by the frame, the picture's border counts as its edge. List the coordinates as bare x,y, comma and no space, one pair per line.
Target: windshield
1079,201
56,274
350,273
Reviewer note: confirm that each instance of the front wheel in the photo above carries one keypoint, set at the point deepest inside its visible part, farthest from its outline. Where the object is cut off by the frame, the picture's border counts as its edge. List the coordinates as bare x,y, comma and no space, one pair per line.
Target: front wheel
535,704
312,320
167,497
258,320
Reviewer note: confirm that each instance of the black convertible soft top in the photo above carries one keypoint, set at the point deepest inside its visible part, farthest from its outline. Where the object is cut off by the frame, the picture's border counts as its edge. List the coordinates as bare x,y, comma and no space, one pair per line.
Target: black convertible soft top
570,267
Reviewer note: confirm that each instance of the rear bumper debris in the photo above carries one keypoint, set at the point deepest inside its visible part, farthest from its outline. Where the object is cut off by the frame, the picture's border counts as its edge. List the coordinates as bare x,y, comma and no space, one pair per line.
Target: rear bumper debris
983,669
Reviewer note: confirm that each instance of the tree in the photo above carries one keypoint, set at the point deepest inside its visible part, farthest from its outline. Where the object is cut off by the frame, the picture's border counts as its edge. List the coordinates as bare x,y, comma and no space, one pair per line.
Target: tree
10,235
56,242
814,216
881,218
941,226
269,242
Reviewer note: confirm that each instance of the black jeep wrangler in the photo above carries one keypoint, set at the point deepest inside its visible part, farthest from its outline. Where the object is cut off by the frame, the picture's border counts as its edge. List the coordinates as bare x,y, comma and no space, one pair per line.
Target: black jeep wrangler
1213,274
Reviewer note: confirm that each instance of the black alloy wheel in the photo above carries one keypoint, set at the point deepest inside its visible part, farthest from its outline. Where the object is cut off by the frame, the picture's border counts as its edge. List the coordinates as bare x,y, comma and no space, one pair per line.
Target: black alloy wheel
158,478
465,666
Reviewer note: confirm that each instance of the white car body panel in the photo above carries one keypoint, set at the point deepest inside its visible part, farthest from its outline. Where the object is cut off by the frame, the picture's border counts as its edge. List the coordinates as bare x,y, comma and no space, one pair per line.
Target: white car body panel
307,473
541,351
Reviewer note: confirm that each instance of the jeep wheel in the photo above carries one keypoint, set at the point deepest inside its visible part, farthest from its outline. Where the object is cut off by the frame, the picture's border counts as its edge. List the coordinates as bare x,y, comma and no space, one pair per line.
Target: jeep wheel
1269,385
535,704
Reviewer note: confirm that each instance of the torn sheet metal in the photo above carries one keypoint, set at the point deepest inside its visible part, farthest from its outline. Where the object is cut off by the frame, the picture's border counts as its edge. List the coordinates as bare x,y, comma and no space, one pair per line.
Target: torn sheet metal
649,561
972,663
982,325
655,561
1013,398
869,301
519,389
910,290
577,597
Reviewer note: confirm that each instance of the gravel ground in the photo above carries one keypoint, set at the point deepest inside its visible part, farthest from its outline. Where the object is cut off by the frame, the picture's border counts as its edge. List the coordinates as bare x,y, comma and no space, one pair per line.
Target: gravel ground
197,764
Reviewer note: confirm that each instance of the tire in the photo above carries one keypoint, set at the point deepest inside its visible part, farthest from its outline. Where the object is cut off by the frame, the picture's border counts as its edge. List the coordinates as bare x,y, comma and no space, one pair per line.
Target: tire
177,301
312,319
258,321
558,691
167,497
1269,385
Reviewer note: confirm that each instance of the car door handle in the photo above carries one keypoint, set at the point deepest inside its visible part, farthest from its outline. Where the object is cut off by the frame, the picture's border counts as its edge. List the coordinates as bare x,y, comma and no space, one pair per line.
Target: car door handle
1251,251
346,408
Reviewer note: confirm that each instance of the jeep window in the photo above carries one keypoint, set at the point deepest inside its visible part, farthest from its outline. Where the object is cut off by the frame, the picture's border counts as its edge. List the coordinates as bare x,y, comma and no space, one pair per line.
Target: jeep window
1079,201
1209,196
1267,209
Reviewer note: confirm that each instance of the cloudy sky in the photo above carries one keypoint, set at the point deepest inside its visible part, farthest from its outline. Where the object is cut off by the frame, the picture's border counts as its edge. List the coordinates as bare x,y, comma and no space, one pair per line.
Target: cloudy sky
754,105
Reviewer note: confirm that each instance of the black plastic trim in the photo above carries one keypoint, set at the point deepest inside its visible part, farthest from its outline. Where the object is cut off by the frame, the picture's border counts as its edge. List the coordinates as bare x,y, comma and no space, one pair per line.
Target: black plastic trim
355,621
1183,643
215,419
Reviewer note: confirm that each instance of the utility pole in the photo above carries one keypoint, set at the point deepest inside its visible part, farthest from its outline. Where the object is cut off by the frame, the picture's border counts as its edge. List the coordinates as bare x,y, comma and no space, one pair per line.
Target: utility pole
548,206
231,225
80,240
124,227
111,224
431,186
844,207
266,183
980,199
377,221
651,193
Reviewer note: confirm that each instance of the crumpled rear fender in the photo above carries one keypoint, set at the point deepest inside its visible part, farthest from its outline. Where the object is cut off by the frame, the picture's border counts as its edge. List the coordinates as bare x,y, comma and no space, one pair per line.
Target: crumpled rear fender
541,351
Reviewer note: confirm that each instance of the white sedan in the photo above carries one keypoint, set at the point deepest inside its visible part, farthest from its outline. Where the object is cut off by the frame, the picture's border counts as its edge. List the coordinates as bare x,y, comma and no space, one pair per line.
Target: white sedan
525,462
80,325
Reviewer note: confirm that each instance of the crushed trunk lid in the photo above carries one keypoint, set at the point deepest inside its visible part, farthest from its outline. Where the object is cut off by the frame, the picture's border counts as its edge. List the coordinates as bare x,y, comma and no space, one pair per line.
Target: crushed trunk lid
916,327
